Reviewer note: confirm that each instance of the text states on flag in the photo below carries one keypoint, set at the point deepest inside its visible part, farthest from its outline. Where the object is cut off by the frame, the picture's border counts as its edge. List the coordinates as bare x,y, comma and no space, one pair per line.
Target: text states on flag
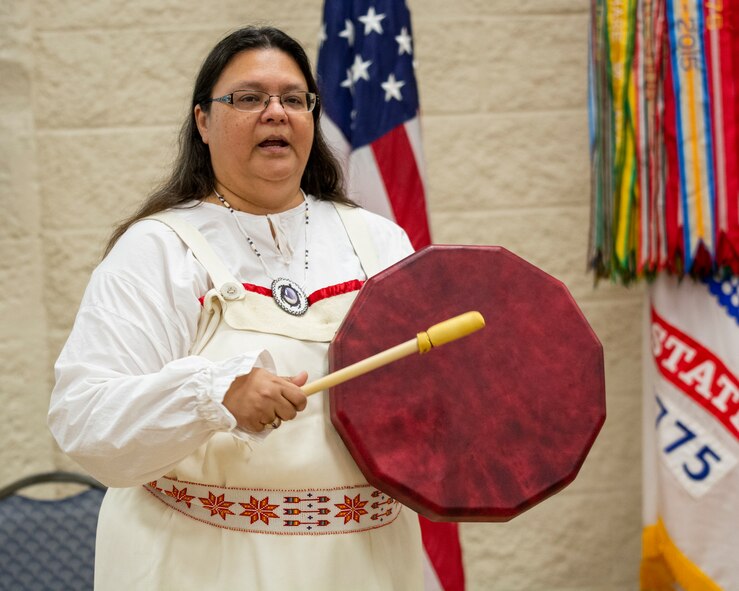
696,371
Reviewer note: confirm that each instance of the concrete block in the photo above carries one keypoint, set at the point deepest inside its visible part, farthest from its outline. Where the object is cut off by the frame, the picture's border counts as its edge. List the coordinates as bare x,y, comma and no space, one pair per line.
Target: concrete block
18,189
306,32
62,461
125,77
55,339
25,440
14,18
618,324
535,63
481,162
19,273
614,461
17,148
22,341
70,259
114,78
442,10
15,91
566,542
553,239
449,70
171,14
93,179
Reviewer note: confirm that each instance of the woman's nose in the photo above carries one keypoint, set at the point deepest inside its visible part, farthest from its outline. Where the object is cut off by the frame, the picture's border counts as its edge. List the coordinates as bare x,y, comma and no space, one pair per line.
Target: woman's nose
274,109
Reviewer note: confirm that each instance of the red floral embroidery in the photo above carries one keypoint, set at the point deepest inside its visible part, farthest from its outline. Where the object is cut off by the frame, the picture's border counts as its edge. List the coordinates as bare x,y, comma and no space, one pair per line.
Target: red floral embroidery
153,484
180,495
305,511
351,509
259,510
217,504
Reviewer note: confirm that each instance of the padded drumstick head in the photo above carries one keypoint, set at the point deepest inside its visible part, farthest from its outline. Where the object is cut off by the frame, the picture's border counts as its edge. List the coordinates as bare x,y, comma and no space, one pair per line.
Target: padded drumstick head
455,328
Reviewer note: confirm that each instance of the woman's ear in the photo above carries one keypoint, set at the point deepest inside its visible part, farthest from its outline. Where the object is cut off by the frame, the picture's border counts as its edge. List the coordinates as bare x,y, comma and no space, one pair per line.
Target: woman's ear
201,120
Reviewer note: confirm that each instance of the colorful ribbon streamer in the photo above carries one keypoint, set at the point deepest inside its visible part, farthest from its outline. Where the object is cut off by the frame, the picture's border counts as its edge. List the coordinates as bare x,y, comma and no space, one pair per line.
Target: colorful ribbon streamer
664,109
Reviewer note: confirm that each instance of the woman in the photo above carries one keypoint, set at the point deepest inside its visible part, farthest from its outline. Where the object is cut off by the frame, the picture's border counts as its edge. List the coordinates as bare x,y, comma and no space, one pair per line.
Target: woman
194,337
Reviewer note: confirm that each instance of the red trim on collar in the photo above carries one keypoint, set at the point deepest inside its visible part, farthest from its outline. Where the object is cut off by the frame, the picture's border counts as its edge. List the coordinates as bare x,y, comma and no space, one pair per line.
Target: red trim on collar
257,289
334,290
316,296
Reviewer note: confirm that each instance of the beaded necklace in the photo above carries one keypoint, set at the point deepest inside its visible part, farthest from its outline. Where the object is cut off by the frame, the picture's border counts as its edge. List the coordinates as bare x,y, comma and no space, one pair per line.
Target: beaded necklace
286,293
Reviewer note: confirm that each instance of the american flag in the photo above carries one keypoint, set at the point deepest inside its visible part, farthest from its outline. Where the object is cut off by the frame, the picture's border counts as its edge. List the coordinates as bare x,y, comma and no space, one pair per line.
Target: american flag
371,119
371,111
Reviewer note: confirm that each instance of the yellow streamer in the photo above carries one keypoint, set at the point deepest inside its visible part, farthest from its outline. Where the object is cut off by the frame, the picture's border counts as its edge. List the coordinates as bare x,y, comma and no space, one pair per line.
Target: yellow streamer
663,563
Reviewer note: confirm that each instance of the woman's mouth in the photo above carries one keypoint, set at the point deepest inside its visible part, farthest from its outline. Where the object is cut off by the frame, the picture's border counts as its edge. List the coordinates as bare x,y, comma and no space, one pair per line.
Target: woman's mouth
273,143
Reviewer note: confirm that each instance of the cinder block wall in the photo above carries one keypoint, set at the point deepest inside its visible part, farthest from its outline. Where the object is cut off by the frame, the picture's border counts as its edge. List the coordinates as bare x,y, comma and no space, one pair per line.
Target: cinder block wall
92,96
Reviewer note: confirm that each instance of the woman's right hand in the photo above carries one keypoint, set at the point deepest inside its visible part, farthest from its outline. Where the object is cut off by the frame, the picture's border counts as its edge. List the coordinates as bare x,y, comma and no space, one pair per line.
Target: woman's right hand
258,398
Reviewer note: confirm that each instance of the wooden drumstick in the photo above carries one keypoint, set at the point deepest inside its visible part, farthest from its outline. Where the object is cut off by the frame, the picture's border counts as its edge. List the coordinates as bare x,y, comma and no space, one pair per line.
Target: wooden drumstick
435,336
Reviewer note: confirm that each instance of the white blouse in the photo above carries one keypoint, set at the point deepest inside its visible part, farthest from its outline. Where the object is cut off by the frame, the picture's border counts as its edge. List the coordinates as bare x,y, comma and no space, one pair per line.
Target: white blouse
130,401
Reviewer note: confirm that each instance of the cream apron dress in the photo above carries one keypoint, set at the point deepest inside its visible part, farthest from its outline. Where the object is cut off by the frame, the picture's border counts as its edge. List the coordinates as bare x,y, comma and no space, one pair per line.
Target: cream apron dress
290,513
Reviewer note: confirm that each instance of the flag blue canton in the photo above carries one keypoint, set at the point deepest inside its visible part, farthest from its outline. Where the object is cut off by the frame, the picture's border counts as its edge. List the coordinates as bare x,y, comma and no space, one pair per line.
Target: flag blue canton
726,291
365,68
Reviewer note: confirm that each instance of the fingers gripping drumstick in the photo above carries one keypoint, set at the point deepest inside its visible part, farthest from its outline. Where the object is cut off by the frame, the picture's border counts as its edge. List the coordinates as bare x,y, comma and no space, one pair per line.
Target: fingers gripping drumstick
437,335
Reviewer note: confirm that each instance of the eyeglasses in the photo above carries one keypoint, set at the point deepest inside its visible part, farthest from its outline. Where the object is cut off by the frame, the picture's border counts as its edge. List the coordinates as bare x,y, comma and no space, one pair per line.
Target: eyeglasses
256,101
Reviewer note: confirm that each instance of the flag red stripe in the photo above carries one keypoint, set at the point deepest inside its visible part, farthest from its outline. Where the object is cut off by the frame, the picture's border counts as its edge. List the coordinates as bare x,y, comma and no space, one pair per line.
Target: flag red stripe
400,174
441,541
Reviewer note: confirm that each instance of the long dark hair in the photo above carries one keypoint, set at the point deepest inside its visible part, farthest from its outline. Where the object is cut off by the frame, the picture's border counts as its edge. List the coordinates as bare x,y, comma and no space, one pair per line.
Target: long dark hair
192,176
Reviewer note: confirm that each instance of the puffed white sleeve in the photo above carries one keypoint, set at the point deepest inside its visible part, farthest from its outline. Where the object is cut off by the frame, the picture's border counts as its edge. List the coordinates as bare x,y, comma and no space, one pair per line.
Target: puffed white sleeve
129,401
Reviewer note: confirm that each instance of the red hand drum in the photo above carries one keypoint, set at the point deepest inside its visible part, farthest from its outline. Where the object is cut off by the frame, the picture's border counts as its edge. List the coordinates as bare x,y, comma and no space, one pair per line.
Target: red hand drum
489,425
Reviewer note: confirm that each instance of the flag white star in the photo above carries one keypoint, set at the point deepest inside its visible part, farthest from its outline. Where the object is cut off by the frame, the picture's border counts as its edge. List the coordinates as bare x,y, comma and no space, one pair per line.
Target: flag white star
371,21
404,42
349,82
322,36
359,68
392,88
348,32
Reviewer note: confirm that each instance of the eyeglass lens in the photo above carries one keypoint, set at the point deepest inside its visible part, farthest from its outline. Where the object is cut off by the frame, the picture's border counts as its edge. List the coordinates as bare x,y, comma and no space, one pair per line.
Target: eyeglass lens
255,100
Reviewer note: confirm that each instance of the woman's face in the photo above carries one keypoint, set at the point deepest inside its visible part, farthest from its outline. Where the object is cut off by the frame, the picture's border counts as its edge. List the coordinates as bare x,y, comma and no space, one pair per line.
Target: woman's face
253,153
